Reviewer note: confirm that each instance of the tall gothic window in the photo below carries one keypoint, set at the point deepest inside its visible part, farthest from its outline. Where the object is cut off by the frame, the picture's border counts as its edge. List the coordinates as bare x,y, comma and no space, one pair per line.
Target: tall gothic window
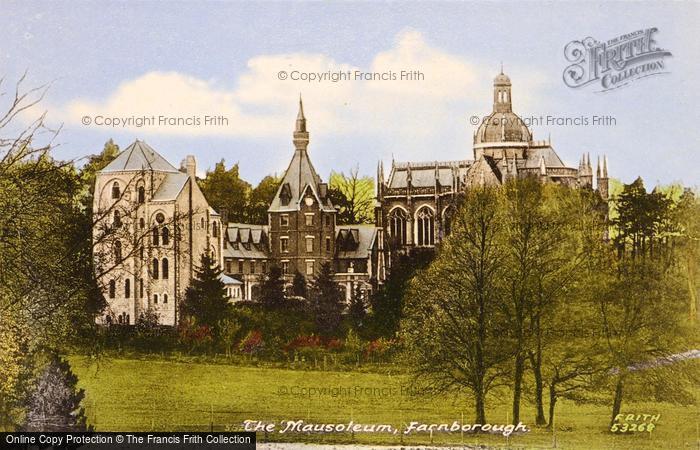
425,226
112,288
155,268
155,236
165,234
447,220
117,218
142,194
397,222
115,190
127,288
118,251
215,229
165,271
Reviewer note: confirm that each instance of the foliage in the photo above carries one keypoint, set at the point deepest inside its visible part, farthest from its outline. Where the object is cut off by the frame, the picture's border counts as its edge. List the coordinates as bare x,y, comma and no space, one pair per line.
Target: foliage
388,300
226,191
55,402
353,195
260,198
205,299
357,310
195,337
252,343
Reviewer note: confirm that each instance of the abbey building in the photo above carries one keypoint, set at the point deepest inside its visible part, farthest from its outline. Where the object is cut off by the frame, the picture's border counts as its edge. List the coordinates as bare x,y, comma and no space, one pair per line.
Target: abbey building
154,222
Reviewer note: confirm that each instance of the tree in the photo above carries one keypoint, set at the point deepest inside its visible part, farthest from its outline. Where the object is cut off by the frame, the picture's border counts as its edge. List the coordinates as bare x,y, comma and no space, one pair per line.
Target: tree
453,327
299,285
55,403
260,199
205,299
326,301
357,310
272,289
95,163
388,300
354,195
639,312
225,190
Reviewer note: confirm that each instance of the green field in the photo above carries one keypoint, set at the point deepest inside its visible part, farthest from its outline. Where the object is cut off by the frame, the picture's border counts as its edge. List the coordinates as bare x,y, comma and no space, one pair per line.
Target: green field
144,395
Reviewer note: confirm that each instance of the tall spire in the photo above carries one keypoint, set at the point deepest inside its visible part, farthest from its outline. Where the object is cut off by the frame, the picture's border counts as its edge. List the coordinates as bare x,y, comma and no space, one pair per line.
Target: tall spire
301,136
605,166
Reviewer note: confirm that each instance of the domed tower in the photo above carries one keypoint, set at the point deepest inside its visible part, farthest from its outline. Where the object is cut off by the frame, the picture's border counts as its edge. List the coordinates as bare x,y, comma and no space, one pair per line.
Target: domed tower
502,134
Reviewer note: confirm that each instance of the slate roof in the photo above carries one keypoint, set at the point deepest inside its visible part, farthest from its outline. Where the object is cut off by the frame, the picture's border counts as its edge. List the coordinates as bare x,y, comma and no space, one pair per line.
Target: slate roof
229,280
250,240
139,156
170,187
423,174
355,241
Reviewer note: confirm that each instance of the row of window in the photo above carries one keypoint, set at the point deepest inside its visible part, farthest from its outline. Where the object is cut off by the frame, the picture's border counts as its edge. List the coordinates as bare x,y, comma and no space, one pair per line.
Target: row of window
117,192
251,263
308,220
284,244
127,290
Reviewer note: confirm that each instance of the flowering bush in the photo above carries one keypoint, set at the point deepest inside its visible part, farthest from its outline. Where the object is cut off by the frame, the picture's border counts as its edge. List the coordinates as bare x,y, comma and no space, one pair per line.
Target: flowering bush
195,336
252,344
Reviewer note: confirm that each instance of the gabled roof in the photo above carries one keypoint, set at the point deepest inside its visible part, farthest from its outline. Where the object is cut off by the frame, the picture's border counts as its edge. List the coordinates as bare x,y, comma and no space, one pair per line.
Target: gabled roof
139,156
299,175
423,173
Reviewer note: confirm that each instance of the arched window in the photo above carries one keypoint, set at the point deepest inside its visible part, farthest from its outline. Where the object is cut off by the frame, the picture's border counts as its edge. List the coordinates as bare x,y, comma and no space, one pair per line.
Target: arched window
142,194
155,236
425,226
142,223
165,234
165,298
155,268
117,218
118,251
112,288
447,219
127,288
215,230
397,223
164,272
140,287
116,193
155,298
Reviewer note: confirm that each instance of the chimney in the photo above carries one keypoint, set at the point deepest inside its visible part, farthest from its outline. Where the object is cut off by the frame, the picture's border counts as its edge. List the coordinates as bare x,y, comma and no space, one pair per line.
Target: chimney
189,166
323,190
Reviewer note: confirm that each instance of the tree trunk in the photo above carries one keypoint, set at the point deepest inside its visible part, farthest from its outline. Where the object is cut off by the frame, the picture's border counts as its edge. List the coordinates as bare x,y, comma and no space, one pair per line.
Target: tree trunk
552,404
480,409
617,402
517,386
535,360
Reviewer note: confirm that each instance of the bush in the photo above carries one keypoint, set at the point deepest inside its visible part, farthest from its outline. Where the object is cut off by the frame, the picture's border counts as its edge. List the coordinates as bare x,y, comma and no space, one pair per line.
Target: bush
252,344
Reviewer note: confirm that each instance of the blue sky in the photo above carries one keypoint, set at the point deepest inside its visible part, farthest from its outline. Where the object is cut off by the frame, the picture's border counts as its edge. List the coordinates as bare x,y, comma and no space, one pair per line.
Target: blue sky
186,59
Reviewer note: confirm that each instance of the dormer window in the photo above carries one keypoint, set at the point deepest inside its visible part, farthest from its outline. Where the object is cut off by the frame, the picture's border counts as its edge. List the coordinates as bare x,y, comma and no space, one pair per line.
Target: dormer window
285,194
284,220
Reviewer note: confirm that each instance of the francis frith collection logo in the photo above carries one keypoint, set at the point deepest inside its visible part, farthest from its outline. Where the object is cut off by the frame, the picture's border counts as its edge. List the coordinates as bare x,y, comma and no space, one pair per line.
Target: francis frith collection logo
616,62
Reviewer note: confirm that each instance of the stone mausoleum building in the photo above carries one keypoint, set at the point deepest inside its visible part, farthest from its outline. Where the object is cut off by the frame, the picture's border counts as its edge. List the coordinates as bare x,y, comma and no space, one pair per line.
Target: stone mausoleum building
155,222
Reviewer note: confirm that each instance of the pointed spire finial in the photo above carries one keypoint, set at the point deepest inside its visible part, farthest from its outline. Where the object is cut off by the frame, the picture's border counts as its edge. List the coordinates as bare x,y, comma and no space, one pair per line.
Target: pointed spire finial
501,67
605,166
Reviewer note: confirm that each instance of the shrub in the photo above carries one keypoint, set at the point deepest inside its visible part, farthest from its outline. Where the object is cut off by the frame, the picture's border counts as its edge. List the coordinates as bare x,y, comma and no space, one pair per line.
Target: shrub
252,344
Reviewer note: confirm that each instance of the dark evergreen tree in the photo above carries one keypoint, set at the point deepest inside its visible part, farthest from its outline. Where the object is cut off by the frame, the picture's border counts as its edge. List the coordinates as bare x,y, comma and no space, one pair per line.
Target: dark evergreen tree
205,300
358,310
299,285
327,302
272,289
55,403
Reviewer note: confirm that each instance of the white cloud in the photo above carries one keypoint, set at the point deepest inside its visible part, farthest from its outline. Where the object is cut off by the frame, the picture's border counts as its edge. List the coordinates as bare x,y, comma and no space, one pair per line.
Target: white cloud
262,105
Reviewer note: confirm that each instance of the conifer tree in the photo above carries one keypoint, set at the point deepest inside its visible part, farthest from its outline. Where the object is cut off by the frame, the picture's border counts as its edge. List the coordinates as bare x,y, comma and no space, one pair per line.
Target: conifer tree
55,403
272,289
299,285
327,302
357,309
205,299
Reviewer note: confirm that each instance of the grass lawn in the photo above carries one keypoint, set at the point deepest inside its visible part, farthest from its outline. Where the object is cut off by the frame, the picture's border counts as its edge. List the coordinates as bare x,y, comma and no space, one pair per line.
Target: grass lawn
144,395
